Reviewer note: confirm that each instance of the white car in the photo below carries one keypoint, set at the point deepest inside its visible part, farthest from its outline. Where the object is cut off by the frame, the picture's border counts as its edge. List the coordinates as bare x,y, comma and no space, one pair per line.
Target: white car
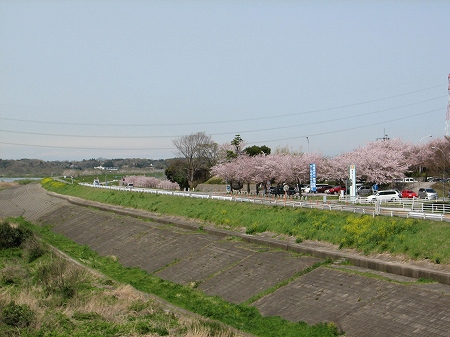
306,189
384,196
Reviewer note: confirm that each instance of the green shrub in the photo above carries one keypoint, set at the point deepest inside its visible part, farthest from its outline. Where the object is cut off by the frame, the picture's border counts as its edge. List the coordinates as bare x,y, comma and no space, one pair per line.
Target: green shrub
11,236
16,315
214,181
60,277
34,249
26,181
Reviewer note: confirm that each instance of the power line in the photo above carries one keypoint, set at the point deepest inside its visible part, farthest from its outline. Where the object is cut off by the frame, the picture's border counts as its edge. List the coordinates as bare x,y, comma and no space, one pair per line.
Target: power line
90,148
349,129
258,142
220,122
221,133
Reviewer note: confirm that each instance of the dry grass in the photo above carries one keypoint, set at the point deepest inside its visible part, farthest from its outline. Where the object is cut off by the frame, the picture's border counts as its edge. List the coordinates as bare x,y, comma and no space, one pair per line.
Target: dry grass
118,304
4,184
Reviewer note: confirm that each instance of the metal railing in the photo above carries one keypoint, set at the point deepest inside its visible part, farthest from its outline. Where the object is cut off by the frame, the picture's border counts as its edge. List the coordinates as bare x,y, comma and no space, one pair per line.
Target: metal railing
419,208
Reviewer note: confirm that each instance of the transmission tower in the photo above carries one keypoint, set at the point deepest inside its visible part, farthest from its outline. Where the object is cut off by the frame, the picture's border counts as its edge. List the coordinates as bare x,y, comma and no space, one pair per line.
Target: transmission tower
447,119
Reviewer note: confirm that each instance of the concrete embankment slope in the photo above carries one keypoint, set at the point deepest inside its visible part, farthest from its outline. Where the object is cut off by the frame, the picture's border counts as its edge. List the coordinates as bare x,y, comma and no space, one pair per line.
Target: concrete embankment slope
238,270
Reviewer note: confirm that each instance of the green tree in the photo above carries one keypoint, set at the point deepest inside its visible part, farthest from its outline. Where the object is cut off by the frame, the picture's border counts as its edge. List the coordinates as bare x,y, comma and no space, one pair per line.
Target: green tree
236,143
255,150
176,172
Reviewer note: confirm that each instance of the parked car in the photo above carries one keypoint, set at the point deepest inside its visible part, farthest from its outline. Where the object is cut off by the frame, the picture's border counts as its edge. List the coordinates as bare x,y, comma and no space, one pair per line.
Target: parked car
276,190
322,188
306,189
384,196
405,180
409,194
319,187
427,193
363,191
335,190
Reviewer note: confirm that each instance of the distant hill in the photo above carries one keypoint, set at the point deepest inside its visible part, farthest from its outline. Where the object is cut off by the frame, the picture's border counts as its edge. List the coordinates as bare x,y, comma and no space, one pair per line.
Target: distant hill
42,168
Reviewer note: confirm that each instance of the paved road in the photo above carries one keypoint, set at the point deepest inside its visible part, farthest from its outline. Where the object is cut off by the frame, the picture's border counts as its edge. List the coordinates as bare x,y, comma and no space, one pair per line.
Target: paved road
239,270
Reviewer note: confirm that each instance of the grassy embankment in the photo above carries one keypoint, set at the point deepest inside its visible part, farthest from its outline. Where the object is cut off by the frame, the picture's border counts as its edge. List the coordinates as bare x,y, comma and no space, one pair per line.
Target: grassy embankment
42,294
414,238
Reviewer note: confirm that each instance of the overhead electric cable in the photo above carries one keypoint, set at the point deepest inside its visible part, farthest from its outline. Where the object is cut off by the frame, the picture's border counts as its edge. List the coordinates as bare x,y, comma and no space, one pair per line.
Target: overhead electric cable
219,122
348,129
91,148
223,133
258,142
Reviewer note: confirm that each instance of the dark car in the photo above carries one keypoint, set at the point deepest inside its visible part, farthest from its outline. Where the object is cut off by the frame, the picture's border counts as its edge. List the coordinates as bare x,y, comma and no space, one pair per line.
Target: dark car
323,188
364,190
279,190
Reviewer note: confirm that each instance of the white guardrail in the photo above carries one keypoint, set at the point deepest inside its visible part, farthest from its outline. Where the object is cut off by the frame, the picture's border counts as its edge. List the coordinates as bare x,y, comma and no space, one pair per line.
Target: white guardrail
411,208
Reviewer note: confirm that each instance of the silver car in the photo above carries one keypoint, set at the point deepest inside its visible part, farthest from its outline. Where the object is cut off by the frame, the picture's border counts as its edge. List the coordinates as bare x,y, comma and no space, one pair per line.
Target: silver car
427,193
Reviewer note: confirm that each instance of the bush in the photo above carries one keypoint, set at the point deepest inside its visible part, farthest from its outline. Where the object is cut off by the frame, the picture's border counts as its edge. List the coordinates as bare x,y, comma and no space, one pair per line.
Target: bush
16,315
60,277
215,181
34,249
11,237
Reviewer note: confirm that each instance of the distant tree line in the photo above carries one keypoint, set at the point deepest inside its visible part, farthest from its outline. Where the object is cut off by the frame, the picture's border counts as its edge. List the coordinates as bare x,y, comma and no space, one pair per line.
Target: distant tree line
42,168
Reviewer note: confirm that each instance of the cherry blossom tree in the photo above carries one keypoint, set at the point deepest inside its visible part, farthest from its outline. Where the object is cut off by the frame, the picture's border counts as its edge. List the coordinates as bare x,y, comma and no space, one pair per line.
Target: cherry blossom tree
382,161
266,169
263,169
151,182
379,161
228,171
433,159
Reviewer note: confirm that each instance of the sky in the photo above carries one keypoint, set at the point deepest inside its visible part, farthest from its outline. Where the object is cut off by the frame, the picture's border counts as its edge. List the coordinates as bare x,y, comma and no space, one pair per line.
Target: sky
123,79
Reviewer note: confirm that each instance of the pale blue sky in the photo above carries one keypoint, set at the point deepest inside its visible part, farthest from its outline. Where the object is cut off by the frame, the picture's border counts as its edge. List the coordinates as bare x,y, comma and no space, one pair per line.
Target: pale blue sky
121,79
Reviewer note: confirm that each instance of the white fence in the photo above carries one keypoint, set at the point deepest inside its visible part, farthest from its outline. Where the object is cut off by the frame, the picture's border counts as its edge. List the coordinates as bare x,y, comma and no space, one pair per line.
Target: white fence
414,208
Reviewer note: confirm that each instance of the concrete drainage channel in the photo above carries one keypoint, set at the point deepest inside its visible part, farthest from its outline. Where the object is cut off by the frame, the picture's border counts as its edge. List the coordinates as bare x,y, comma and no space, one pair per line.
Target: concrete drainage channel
353,297
356,260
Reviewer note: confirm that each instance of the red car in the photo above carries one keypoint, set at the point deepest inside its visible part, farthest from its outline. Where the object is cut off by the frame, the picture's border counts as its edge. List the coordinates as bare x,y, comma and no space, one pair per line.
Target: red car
335,190
409,194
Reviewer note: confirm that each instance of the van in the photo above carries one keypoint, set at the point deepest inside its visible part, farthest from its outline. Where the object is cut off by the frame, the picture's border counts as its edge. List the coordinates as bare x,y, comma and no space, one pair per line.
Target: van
130,185
383,196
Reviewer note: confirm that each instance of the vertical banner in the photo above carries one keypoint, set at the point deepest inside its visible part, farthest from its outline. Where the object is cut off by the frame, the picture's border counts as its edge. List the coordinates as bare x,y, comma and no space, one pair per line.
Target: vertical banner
352,178
312,177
